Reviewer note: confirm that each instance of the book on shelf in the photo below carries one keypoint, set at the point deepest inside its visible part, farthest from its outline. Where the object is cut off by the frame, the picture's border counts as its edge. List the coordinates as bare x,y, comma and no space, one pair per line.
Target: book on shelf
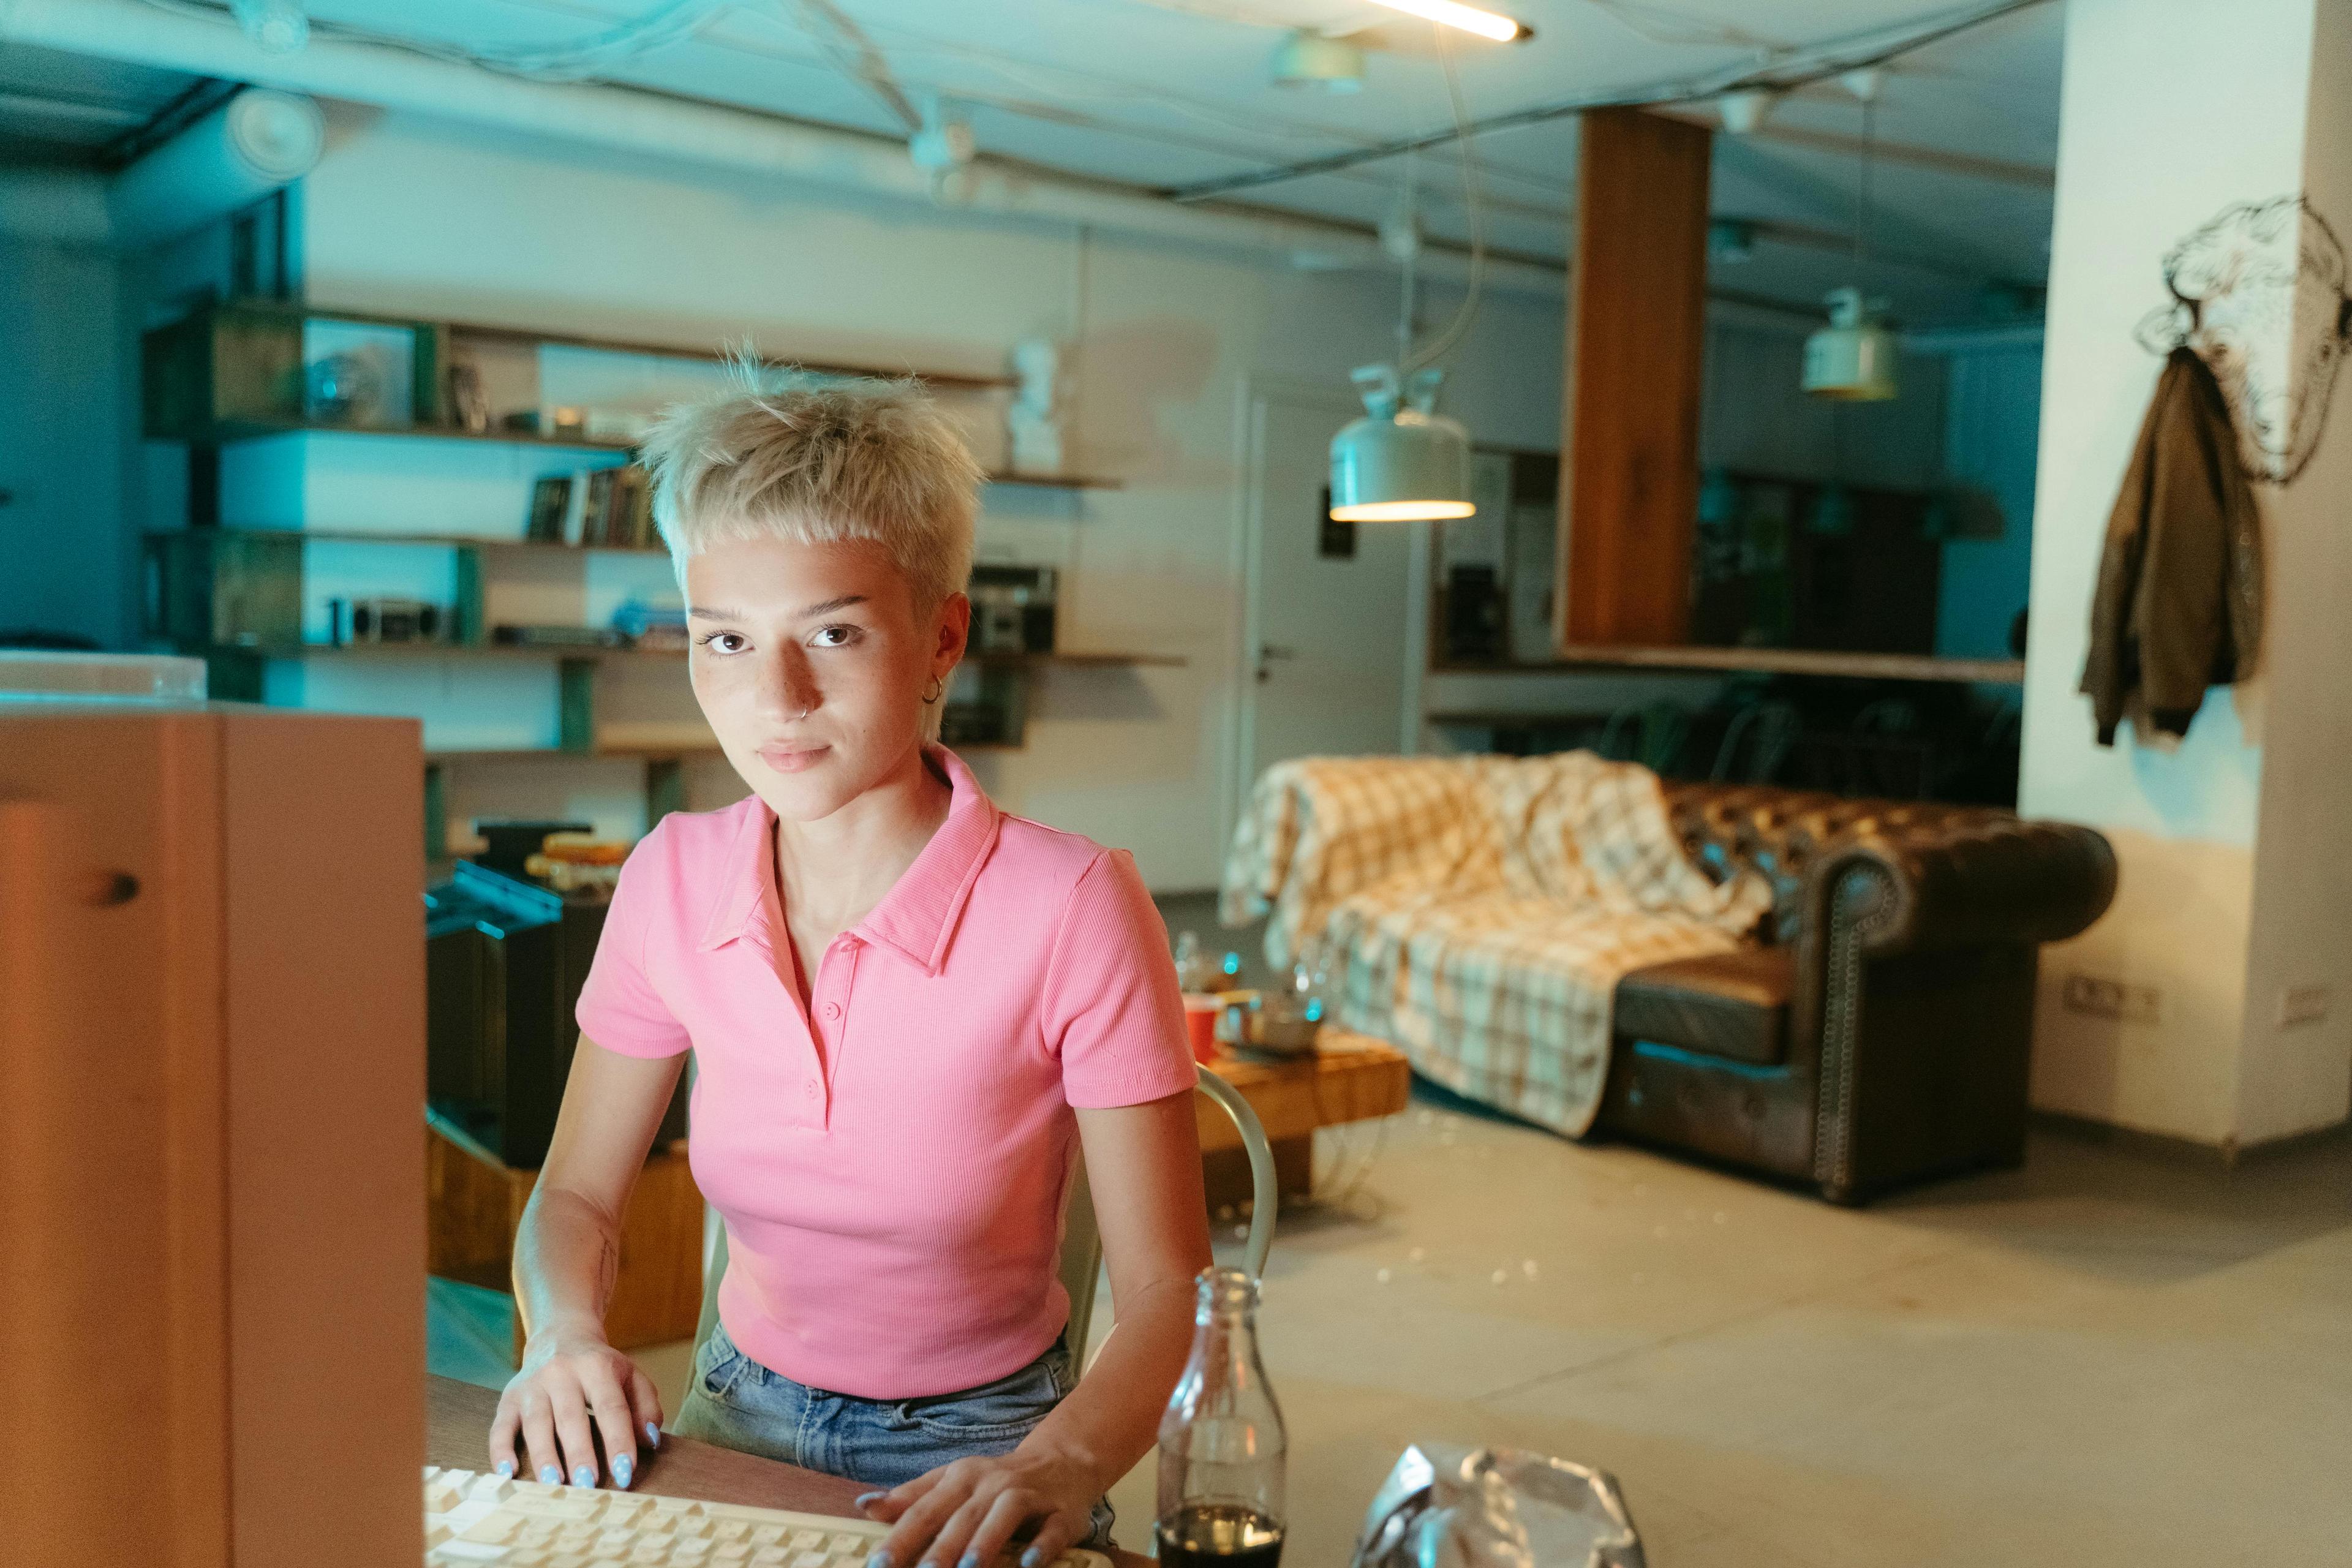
575,506
604,505
550,501
596,516
626,521
642,533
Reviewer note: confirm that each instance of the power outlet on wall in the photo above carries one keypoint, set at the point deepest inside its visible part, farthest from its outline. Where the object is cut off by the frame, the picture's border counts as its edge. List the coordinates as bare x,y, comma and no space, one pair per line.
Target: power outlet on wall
2302,1004
2118,999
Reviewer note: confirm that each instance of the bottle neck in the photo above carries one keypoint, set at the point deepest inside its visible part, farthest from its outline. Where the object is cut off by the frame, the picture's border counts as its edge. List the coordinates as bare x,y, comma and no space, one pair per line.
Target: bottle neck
1227,1301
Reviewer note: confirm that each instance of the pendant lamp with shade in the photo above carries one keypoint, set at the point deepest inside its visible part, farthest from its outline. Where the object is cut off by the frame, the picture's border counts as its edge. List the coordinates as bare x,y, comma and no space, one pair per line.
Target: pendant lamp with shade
1403,461
1852,360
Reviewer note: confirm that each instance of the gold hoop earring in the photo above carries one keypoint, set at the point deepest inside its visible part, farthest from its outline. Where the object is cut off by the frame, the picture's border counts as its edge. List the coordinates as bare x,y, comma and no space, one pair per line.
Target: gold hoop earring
939,690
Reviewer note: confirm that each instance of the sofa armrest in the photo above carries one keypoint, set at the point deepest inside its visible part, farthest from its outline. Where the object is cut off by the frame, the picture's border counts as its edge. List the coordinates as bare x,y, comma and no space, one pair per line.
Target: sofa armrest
1921,884
1961,882
1890,903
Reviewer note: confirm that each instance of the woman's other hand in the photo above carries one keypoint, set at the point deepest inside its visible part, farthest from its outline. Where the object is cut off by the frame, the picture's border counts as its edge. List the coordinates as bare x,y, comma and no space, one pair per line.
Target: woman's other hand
967,1514
572,1389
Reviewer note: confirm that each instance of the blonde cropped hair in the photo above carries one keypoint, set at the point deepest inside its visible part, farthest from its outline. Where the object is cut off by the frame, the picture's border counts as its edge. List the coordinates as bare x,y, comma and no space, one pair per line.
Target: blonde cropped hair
870,460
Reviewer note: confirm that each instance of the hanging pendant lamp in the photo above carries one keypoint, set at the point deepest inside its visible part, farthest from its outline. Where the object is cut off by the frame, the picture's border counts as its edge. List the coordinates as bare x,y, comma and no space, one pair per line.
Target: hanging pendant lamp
1403,461
1852,360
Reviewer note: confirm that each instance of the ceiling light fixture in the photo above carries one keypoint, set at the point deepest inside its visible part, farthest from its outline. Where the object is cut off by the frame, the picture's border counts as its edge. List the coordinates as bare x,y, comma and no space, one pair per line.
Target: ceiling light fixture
1312,60
277,26
1402,461
1491,25
1744,112
943,148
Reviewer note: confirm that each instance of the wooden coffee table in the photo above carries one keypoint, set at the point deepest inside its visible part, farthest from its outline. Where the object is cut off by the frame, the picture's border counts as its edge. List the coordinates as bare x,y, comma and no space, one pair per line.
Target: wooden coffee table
1350,1078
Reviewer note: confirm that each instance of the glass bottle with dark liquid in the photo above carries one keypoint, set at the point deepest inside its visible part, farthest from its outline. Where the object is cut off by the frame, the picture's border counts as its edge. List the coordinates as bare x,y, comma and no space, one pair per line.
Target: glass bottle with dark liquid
1221,1443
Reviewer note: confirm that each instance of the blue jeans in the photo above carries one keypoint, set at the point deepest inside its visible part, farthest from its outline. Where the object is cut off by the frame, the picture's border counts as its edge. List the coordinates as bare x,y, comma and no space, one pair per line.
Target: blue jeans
736,1403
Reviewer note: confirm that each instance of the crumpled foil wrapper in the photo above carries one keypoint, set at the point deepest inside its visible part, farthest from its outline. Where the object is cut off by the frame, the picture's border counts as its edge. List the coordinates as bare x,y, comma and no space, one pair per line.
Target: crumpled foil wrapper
1446,1507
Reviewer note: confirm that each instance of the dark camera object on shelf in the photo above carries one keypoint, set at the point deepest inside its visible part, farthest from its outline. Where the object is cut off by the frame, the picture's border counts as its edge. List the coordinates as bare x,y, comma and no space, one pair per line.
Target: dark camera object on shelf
976,724
1473,614
555,637
1012,608
504,962
385,620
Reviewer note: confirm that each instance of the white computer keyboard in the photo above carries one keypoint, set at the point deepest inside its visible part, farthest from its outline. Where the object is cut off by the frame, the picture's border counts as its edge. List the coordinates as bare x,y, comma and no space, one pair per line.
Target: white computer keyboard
471,1517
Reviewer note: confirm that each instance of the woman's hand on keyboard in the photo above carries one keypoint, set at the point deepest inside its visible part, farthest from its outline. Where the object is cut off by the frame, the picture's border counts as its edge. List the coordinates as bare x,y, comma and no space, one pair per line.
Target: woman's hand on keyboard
966,1514
573,1388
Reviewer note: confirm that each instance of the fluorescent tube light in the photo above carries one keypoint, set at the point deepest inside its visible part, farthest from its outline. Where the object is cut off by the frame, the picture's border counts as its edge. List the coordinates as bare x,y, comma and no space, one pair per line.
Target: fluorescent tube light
1469,18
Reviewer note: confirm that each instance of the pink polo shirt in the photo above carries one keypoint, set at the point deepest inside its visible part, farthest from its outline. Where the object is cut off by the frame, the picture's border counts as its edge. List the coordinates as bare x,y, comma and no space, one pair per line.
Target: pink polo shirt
891,1162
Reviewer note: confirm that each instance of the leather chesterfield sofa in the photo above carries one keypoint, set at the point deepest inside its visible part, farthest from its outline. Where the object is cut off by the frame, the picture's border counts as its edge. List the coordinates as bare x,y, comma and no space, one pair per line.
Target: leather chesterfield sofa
1881,1033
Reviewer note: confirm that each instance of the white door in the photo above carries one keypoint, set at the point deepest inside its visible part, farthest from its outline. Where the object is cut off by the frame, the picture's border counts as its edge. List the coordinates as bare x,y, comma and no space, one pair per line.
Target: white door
1328,629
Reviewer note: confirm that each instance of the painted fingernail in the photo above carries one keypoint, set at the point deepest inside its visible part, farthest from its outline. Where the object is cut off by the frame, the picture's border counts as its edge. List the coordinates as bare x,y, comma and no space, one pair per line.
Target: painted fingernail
653,1434
551,1475
623,1470
879,1560
585,1476
864,1498
506,1469
968,1560
1030,1558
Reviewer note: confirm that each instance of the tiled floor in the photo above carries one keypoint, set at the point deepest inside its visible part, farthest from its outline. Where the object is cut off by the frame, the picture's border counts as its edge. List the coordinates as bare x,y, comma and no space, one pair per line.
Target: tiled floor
2098,1360
2103,1358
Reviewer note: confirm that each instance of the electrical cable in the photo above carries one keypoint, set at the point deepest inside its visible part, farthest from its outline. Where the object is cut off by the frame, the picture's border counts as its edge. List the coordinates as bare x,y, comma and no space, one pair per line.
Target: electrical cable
1467,151
1802,69
669,22
683,19
857,57
1695,30
1036,75
673,22
1861,198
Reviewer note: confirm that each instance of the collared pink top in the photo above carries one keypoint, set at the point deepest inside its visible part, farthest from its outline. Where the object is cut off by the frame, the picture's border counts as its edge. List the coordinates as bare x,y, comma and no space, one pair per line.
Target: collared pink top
891,1162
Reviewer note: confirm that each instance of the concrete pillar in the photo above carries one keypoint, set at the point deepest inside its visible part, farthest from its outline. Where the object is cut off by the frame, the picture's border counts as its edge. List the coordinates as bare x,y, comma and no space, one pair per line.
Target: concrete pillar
2214,1002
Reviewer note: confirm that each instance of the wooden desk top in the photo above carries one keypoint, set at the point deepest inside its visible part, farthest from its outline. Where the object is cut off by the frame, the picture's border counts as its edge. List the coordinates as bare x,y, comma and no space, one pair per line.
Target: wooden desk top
457,1436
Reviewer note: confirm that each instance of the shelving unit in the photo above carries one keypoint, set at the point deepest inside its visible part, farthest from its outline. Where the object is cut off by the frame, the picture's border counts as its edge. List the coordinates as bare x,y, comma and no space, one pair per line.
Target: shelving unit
239,372
228,432
1776,660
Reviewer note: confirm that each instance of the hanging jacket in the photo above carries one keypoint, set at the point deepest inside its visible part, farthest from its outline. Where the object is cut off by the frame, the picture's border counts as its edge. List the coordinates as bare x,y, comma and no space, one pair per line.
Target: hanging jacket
2178,606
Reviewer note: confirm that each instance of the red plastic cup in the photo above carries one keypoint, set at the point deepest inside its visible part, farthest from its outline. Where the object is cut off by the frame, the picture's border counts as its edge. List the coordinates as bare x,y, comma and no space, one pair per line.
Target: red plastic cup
1200,1011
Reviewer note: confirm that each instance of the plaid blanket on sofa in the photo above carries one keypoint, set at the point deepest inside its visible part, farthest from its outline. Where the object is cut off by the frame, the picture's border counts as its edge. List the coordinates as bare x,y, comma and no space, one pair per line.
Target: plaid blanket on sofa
1478,911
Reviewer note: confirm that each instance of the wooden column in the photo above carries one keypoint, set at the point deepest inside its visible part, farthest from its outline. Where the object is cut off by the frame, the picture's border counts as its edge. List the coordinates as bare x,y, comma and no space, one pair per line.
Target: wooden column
1636,333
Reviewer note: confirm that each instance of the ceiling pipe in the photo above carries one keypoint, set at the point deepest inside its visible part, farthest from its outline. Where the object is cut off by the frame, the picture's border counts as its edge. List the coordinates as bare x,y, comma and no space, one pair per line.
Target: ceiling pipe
259,141
643,123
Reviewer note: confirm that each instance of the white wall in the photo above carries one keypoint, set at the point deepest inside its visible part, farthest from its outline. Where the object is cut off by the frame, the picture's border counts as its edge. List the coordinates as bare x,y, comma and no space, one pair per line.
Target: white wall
2299,1076
67,558
405,214
2135,173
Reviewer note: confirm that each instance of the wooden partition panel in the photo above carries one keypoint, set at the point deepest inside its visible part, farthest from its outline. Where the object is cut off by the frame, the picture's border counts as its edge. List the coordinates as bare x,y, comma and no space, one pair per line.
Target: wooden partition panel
1636,332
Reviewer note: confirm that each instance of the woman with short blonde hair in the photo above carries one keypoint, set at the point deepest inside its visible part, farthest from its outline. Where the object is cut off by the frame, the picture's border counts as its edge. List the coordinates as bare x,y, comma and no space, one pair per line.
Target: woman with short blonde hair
911,1013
